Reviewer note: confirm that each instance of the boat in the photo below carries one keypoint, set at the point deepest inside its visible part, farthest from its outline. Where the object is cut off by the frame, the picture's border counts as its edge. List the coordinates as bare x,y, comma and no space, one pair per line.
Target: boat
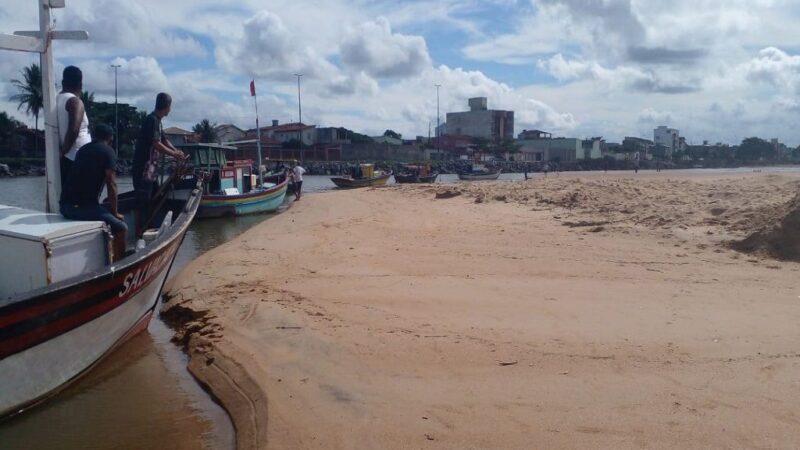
64,306
479,172
364,175
416,174
232,188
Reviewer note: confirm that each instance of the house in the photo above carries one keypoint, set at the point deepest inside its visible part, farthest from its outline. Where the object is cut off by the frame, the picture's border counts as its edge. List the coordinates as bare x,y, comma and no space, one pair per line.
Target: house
229,133
561,150
178,136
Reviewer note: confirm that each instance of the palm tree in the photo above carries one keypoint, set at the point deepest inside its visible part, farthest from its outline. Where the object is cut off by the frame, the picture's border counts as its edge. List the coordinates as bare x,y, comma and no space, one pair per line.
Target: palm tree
87,98
30,94
205,130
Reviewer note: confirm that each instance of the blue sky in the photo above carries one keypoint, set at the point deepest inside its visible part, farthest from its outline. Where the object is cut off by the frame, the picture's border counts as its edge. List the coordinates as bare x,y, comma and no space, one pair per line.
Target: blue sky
719,70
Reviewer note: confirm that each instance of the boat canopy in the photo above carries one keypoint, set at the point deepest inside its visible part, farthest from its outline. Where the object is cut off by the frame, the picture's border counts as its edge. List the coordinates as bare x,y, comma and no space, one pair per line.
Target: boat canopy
208,156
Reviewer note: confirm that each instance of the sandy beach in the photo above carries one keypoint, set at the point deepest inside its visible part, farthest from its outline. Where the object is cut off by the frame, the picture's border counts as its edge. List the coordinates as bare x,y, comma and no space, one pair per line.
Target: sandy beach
657,310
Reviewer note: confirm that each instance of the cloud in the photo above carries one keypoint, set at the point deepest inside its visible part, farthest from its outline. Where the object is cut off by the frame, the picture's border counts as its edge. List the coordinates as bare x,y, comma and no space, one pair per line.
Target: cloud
663,55
652,116
269,49
776,68
125,28
137,76
372,47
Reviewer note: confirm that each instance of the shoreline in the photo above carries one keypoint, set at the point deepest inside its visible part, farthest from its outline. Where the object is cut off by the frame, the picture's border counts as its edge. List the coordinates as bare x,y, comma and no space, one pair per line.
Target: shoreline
276,328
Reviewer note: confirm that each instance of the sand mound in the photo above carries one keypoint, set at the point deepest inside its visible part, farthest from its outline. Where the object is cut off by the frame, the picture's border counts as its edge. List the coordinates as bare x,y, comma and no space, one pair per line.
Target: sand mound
780,239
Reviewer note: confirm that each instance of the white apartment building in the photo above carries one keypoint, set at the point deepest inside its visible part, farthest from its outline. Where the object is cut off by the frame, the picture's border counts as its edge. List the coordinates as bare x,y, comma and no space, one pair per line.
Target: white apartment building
670,138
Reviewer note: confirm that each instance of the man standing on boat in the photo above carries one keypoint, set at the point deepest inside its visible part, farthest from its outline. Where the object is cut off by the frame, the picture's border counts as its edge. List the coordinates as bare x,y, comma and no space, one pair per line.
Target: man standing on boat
297,171
150,143
73,123
95,165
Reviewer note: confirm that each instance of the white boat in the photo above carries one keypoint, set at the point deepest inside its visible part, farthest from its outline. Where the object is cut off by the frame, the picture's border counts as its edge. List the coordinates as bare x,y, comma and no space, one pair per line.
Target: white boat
68,307
63,304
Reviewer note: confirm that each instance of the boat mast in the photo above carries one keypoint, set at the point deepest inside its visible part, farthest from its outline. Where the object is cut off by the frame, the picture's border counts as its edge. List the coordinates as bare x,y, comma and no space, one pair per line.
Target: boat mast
41,42
258,135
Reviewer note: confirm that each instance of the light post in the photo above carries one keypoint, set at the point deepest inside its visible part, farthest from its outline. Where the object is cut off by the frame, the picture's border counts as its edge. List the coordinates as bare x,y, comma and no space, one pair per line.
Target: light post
437,117
116,113
299,116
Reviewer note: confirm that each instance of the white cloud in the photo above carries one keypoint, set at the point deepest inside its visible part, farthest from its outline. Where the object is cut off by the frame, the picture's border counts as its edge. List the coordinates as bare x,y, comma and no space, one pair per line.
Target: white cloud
372,47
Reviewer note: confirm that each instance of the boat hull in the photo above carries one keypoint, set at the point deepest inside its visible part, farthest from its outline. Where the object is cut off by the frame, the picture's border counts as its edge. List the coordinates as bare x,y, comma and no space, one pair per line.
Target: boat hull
267,200
479,176
349,183
411,178
55,334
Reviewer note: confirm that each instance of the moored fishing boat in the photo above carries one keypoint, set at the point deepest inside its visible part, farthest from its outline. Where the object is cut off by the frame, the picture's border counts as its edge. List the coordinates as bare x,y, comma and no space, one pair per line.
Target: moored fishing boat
72,307
365,175
480,172
232,188
416,174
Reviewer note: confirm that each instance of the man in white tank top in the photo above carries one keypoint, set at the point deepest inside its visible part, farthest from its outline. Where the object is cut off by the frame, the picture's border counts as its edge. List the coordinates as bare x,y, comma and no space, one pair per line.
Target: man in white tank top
73,124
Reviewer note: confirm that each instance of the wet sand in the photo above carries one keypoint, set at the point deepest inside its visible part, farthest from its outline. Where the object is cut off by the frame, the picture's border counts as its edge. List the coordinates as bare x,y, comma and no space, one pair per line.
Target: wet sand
600,310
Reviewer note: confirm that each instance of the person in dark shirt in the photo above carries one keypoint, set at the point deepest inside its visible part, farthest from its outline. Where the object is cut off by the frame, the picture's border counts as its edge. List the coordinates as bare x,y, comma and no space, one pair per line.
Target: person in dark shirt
95,165
150,143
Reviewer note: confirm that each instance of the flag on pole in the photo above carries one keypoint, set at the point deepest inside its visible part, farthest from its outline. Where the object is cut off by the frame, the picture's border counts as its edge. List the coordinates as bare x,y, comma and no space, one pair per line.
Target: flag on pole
252,88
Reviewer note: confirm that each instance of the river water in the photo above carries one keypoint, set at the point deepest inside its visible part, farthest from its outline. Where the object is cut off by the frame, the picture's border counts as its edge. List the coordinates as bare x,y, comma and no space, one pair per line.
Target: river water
142,396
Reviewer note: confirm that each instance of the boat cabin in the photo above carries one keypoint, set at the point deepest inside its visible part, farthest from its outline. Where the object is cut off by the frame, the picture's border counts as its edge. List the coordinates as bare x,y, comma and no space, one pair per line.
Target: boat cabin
225,177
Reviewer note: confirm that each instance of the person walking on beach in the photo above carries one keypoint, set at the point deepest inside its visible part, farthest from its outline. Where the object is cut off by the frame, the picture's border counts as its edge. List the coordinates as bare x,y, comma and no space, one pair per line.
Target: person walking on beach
95,165
298,171
72,121
545,169
150,143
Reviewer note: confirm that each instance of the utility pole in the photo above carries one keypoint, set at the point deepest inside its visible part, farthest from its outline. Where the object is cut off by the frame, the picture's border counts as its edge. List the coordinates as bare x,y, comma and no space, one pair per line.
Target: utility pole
299,116
116,113
437,117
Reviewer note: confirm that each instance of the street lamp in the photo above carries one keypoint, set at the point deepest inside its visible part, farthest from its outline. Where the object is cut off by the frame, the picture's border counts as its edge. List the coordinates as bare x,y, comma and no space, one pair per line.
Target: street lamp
299,116
437,117
116,113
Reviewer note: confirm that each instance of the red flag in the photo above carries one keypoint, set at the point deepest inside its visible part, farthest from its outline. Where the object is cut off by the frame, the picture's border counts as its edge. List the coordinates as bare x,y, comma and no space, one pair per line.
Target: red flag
252,88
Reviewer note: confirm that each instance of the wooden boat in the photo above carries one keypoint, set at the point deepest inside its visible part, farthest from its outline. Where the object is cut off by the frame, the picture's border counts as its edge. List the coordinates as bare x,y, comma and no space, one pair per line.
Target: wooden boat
64,305
232,189
479,172
72,307
416,174
363,175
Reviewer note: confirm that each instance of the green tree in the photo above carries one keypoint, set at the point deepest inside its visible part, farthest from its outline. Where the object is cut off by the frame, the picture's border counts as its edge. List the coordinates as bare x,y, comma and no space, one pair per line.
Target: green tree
87,98
392,134
29,94
205,129
8,134
753,148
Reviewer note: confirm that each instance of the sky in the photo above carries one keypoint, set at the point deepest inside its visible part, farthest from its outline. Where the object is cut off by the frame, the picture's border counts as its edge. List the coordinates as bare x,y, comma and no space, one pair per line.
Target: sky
717,70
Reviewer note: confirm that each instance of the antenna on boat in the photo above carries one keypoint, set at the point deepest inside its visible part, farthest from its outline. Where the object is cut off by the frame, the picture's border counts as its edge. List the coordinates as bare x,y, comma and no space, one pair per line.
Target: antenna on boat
258,131
41,42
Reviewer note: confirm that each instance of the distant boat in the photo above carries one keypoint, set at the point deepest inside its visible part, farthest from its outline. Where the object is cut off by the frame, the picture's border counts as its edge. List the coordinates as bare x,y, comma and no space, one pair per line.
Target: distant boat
416,174
479,172
232,189
366,175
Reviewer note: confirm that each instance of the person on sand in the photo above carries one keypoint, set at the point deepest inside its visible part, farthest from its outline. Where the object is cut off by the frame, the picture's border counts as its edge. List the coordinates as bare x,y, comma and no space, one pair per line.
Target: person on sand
545,169
95,165
72,121
298,171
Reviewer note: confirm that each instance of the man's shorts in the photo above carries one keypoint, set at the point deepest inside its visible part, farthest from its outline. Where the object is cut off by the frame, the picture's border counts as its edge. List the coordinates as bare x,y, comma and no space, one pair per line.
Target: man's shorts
93,212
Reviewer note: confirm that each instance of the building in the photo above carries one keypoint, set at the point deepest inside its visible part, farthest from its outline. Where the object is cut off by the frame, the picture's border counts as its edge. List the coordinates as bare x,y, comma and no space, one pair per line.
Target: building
481,122
670,138
534,134
332,136
561,150
306,134
592,148
178,136
637,148
229,133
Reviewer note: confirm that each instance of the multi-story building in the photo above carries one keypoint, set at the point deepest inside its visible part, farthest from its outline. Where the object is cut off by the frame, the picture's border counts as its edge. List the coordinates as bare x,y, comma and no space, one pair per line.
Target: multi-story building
638,148
306,134
481,122
557,150
229,132
670,138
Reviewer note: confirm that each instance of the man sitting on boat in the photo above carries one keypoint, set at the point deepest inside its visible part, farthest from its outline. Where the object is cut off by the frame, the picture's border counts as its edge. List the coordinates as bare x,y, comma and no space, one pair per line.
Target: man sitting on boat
95,165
